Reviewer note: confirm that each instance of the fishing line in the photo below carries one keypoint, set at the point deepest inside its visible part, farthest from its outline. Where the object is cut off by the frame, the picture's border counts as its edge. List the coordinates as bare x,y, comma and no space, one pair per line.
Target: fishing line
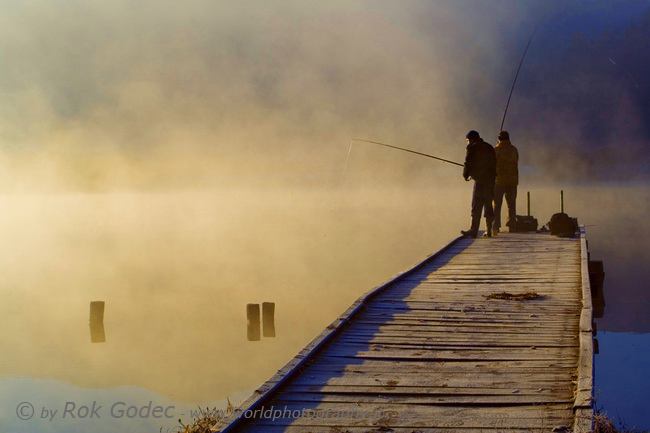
346,165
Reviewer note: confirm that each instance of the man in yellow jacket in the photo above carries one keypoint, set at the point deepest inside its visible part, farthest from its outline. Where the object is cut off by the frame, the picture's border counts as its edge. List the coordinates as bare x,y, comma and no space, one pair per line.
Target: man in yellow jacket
506,182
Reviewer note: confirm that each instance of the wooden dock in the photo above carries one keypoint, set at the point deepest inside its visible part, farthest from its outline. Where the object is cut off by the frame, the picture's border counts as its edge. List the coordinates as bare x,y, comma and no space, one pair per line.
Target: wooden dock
431,351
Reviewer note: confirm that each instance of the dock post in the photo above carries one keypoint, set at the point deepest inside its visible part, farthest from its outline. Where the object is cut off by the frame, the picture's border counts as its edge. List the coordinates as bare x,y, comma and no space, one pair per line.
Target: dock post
562,200
253,322
268,324
528,203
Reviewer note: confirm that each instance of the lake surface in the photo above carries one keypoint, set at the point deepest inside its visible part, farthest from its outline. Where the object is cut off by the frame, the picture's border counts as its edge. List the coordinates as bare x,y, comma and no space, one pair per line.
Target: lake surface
177,269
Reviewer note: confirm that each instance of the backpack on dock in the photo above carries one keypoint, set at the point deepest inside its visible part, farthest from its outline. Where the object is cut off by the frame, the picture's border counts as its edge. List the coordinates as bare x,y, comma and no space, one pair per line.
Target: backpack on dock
526,223
563,225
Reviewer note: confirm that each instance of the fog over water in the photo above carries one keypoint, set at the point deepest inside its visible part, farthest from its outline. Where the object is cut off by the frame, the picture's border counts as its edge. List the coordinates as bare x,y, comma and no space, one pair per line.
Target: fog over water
180,160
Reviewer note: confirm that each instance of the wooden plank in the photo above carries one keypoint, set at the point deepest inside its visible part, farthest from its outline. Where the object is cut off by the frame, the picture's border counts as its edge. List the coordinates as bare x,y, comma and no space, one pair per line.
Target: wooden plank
440,342
459,324
430,416
422,333
460,335
327,361
526,318
380,429
520,398
505,380
470,354
551,393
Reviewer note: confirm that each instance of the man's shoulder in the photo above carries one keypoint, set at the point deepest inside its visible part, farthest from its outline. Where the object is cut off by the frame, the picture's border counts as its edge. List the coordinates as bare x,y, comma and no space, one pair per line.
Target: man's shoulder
487,147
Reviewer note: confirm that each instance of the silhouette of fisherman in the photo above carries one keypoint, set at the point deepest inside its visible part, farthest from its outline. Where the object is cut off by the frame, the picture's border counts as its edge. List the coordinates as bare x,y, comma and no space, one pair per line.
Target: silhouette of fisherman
480,165
506,183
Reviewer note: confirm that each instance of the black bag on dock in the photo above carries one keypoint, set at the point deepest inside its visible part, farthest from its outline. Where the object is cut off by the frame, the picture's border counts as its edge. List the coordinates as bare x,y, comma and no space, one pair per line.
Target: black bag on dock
563,225
526,223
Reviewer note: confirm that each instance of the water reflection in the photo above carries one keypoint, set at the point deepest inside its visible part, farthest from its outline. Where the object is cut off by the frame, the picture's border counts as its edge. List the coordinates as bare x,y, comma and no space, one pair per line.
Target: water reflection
268,317
597,281
96,320
175,322
253,322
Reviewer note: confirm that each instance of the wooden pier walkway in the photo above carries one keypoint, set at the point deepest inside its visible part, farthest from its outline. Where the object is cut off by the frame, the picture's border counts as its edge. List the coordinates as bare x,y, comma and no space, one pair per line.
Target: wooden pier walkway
430,351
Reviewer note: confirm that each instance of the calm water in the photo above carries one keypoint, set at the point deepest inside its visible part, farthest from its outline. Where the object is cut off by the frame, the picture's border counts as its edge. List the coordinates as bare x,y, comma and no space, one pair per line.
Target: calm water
177,269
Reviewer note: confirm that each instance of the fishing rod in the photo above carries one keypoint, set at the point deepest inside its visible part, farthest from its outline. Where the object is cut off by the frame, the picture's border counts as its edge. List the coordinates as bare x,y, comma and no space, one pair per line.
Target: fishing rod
408,150
503,121
521,62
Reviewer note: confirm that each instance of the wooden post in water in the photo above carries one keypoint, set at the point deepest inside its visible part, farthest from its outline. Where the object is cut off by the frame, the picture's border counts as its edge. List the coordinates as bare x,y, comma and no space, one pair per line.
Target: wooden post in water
528,203
268,324
253,320
96,320
562,200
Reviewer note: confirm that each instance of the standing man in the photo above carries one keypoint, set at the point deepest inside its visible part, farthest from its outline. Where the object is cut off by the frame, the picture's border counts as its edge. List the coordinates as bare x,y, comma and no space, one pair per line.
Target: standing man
480,165
507,180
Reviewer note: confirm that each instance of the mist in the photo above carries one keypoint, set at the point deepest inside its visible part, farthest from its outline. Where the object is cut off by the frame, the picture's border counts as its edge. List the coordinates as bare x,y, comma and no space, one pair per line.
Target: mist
179,160
100,97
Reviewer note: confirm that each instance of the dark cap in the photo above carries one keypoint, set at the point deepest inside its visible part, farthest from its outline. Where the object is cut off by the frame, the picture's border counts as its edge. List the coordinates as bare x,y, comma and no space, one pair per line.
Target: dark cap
472,134
503,135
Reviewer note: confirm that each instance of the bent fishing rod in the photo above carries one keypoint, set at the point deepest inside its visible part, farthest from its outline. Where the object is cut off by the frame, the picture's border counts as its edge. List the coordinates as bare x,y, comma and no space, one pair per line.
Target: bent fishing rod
521,62
503,121
408,150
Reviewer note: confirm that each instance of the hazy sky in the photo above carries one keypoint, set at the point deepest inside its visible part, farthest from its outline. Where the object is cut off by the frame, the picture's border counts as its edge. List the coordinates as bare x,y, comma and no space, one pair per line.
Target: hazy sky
146,94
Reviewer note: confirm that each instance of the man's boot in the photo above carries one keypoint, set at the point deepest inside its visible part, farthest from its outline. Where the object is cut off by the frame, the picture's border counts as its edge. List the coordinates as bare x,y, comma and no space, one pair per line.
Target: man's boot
488,222
473,231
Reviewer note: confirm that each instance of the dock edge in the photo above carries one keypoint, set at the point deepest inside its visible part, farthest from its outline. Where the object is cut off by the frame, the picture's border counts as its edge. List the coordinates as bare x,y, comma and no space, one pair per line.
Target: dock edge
583,405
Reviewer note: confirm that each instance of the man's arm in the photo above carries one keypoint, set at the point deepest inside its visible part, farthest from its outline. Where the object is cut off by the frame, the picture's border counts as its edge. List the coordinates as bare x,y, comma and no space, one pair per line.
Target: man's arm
467,165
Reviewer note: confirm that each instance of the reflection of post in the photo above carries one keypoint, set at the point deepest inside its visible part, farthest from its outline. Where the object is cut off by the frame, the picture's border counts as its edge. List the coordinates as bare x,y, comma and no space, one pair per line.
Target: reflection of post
253,317
268,312
597,282
97,334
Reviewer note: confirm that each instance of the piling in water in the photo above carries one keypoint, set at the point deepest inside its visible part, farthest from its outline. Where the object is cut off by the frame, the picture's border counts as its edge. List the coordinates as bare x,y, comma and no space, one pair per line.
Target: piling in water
268,320
96,320
253,318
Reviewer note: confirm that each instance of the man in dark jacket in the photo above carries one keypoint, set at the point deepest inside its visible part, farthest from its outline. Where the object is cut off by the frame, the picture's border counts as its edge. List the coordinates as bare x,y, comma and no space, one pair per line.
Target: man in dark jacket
507,180
480,165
